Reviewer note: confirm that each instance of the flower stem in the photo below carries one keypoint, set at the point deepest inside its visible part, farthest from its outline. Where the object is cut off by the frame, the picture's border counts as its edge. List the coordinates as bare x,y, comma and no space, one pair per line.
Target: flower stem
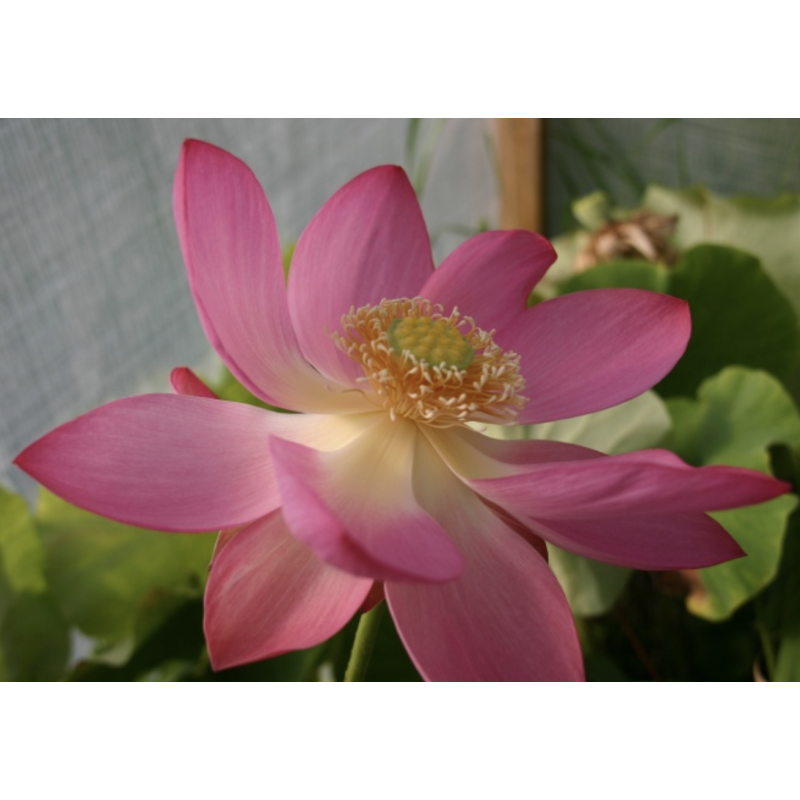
364,643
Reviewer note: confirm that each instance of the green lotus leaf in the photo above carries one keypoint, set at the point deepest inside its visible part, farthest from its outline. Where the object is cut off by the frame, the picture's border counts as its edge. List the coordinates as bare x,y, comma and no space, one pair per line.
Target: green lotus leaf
737,416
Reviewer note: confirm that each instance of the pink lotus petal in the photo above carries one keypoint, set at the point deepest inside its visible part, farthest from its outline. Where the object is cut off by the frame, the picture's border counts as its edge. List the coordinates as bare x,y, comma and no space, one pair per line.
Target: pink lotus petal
233,259
167,462
225,537
590,350
504,619
523,530
184,381
653,542
367,243
472,455
376,595
490,278
532,480
355,506
268,594
310,519
646,482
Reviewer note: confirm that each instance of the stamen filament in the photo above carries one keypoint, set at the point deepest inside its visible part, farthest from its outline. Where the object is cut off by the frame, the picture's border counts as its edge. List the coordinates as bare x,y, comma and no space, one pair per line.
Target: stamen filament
474,379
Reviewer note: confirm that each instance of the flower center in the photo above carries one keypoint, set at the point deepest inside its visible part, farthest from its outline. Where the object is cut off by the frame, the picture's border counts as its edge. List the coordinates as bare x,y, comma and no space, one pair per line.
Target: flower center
430,340
430,368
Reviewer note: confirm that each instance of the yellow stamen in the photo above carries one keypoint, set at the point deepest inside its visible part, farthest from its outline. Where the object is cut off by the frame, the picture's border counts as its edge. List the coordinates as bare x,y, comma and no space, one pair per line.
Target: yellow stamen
430,368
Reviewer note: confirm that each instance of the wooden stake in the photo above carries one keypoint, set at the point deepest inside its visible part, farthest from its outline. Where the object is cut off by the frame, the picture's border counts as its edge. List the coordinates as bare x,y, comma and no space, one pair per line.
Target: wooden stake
520,148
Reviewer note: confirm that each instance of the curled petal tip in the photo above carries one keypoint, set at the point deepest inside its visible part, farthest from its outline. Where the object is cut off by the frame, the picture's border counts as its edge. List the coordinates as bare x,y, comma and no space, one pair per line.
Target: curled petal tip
184,381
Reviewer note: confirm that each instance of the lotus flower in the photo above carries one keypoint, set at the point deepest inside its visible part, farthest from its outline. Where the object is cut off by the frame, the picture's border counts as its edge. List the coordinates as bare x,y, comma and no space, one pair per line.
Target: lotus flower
383,484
